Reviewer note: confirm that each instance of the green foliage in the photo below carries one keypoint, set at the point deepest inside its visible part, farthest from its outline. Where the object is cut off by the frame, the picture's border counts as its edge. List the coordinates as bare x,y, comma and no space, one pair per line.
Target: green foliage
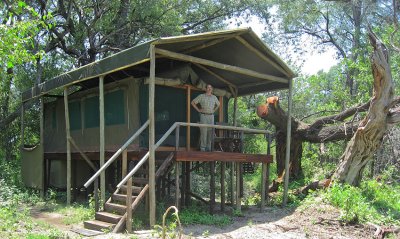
15,219
200,215
374,201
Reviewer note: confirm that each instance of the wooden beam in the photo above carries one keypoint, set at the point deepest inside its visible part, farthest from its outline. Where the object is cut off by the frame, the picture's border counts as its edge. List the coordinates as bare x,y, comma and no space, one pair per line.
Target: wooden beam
212,187
102,139
152,166
238,196
223,186
128,223
200,36
124,163
232,173
231,86
197,156
236,69
288,140
86,158
254,84
43,184
262,56
188,105
68,134
223,164
177,185
210,43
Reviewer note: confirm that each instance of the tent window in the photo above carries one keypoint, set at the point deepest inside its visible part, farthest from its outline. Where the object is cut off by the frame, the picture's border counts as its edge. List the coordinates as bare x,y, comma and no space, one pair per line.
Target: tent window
114,108
75,115
92,112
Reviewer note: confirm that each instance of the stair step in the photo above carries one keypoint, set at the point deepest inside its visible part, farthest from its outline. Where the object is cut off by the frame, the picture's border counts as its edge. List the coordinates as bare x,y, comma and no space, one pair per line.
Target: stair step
121,198
135,189
108,217
140,181
98,225
115,208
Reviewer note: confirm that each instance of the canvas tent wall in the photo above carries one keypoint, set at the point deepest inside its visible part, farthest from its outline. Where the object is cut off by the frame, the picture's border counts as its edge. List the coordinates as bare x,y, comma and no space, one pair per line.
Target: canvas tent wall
122,118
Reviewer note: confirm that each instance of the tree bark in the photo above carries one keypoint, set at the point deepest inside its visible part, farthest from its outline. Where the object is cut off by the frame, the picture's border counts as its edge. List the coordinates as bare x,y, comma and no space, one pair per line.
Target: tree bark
365,142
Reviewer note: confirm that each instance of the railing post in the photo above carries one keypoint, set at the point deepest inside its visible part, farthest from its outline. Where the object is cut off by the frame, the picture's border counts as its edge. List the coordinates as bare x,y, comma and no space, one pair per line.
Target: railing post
124,163
96,195
263,181
128,223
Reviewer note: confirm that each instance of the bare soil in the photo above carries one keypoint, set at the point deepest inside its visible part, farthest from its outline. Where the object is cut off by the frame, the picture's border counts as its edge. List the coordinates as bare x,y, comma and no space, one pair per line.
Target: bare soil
313,221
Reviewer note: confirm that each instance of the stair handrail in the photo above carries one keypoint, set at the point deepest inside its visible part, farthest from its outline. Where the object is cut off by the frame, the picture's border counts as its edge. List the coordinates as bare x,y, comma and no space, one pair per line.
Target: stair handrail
118,153
172,128
146,156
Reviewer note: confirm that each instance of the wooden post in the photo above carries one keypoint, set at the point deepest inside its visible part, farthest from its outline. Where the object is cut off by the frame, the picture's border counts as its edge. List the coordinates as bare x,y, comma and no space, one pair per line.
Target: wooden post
188,183
288,139
177,168
183,191
263,182
187,187
188,116
222,186
221,119
152,186
238,198
43,185
177,185
268,169
212,187
68,134
102,140
124,163
128,224
96,195
232,187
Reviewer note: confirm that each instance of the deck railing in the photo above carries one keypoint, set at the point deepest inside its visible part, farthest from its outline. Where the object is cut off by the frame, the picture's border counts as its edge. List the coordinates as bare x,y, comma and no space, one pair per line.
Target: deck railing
118,153
175,126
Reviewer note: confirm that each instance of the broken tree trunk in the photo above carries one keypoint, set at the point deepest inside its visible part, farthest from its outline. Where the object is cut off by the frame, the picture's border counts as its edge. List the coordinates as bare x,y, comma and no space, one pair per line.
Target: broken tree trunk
333,127
365,142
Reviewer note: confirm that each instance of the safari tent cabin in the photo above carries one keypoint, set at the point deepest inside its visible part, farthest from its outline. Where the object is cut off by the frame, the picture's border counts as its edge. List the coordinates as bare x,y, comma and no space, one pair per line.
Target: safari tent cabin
125,110
133,109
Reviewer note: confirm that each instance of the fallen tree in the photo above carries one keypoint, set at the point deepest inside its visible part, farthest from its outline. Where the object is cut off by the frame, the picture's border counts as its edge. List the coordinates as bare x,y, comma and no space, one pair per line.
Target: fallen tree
365,135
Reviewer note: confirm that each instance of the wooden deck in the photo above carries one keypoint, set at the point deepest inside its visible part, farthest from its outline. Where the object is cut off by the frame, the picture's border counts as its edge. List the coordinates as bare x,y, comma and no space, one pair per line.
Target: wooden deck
190,156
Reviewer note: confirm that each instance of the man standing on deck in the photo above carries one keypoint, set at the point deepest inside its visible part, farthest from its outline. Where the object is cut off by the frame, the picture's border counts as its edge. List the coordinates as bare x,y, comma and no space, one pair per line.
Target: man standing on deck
208,105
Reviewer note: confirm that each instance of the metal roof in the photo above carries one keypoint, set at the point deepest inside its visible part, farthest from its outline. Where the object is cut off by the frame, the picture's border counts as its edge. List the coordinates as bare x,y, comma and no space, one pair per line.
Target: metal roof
226,59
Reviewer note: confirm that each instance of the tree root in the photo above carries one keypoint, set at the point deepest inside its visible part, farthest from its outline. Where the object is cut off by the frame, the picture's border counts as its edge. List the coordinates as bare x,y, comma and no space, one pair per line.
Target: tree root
381,232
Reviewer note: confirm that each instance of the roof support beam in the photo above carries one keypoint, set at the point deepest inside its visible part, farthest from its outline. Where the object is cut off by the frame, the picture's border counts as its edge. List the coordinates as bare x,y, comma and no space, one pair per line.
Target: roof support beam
210,43
231,86
253,84
240,70
262,56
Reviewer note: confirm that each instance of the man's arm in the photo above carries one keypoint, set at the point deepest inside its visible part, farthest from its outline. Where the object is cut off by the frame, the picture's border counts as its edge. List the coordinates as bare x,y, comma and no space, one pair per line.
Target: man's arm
194,104
217,103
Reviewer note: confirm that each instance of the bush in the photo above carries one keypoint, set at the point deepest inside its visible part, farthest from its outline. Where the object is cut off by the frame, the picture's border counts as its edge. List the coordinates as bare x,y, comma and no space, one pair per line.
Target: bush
372,202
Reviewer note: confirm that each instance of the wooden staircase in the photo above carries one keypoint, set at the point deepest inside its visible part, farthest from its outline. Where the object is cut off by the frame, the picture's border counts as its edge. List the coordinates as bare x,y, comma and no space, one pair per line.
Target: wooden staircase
114,215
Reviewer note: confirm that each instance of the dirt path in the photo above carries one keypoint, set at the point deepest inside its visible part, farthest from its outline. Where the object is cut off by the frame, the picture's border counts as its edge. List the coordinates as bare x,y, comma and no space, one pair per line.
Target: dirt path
316,221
